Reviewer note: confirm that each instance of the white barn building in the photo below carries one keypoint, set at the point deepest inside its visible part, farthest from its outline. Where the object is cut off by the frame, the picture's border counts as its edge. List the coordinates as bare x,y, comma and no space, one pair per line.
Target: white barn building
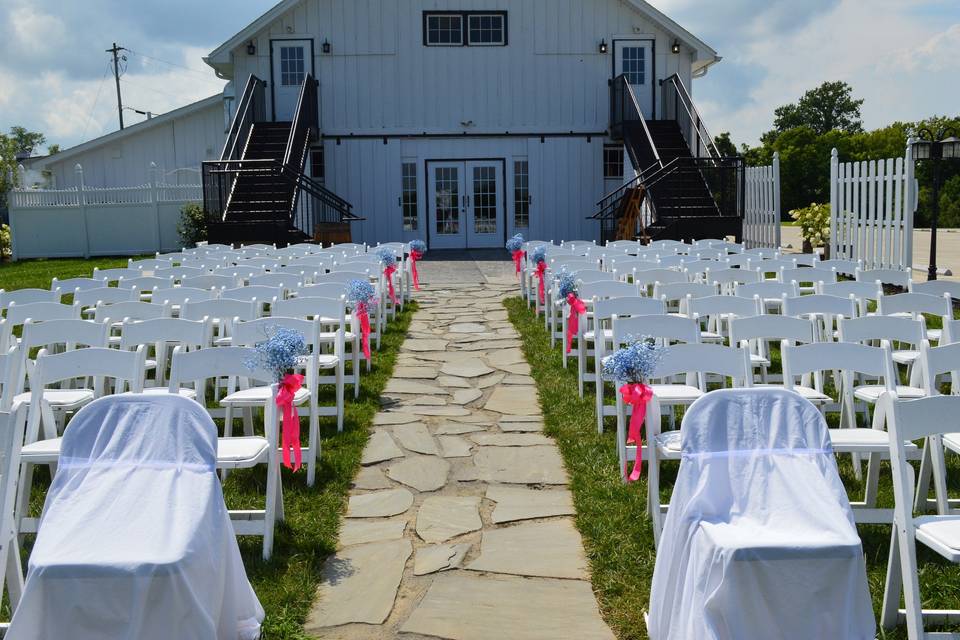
458,122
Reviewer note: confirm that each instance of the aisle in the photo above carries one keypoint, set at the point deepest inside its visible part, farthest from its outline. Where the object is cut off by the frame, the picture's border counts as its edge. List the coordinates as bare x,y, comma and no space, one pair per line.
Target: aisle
459,524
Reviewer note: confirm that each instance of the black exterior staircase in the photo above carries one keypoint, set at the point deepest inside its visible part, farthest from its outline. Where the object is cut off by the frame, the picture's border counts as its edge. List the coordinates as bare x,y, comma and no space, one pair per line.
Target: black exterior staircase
257,191
688,190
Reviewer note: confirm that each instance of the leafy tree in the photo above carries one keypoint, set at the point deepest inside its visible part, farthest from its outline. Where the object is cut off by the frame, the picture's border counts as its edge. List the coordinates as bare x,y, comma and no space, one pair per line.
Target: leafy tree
831,106
19,140
52,149
725,145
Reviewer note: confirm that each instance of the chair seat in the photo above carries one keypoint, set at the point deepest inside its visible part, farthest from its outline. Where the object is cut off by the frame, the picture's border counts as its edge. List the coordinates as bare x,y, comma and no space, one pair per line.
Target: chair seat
670,442
906,356
225,341
757,360
63,399
710,336
325,361
590,335
863,439
934,335
676,393
952,441
256,396
157,391
241,449
941,533
41,450
871,392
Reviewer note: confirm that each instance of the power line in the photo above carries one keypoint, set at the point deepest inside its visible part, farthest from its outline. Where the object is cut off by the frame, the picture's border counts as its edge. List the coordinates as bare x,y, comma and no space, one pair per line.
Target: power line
149,88
199,74
96,100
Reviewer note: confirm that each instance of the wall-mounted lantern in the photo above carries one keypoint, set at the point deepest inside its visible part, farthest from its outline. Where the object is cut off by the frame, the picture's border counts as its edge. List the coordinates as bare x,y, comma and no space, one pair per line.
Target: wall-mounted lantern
326,47
603,46
251,49
676,46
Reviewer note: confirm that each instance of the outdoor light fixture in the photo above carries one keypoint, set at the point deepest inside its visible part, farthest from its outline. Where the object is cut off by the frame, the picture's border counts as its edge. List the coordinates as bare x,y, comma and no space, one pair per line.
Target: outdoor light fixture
251,49
935,147
326,47
603,46
676,46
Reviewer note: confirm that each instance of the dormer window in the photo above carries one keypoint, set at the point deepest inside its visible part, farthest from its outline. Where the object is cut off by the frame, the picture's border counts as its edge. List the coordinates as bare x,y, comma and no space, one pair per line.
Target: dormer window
465,28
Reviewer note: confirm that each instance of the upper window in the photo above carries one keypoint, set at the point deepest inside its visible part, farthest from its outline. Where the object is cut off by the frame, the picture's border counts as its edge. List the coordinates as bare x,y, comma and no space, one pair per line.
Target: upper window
466,28
612,161
292,68
635,65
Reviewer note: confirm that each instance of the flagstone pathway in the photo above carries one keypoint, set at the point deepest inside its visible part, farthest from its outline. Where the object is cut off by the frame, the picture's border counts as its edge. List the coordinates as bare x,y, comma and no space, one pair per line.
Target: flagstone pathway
459,524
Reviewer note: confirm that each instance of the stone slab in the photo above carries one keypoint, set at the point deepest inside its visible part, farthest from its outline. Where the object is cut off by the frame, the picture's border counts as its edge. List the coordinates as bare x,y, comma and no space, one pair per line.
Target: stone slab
551,549
466,396
360,584
380,447
456,428
370,478
517,379
414,372
455,447
439,557
423,410
520,465
364,531
467,327
423,345
444,517
393,417
491,380
458,606
467,369
514,503
514,401
524,426
413,387
510,439
416,437
519,368
380,504
505,357
423,473
452,382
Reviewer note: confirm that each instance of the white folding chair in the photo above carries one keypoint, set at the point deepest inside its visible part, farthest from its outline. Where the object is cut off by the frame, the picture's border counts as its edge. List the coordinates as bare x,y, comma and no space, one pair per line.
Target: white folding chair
728,277
894,329
771,293
647,279
113,275
224,313
145,285
807,279
26,296
909,420
282,280
896,277
754,332
823,309
863,293
938,288
72,285
935,361
915,305
165,334
210,281
18,314
843,267
718,311
89,299
676,295
589,292
261,295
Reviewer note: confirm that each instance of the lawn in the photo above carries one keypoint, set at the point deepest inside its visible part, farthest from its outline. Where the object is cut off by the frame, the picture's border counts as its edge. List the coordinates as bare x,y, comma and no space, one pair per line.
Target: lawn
287,583
611,515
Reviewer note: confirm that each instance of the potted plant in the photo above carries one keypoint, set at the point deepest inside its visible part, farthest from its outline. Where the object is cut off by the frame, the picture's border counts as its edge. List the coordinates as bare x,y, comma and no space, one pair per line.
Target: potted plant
814,224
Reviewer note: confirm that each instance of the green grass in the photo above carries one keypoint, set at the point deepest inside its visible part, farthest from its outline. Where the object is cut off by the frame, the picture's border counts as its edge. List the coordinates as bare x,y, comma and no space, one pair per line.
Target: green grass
286,585
612,518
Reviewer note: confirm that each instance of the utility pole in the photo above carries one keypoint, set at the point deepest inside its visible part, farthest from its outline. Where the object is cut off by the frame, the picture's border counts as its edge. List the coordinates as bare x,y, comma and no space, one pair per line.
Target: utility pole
115,50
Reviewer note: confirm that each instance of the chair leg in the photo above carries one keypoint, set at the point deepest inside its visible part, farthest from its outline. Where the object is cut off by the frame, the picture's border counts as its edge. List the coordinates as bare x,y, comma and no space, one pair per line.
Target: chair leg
581,363
270,511
13,572
922,498
598,405
892,584
340,403
314,437
247,421
873,479
356,370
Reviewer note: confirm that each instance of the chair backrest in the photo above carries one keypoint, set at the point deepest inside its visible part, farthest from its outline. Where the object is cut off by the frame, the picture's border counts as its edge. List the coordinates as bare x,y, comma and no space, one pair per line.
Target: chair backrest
572,264
343,277
210,281
133,310
649,277
330,310
221,308
820,304
915,303
106,295
26,296
801,275
145,283
112,275
771,327
708,254
40,312
181,272
722,275
608,289
96,362
283,280
623,244
204,364
766,290
594,275
250,334
724,306
762,253
240,273
885,276
844,267
940,360
192,334
662,328
669,246
896,328
626,306
11,367
325,290
180,295
849,357
732,362
938,288
66,332
71,285
259,263
772,265
863,292
262,294
684,290
142,266
673,260
739,260
695,268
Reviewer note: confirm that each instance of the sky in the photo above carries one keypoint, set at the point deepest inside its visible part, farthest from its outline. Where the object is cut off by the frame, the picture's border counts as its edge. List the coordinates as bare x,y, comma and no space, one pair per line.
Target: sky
901,56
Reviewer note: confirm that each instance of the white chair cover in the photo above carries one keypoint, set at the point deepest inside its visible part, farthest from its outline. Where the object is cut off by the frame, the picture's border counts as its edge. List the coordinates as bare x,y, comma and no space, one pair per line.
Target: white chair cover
759,539
135,540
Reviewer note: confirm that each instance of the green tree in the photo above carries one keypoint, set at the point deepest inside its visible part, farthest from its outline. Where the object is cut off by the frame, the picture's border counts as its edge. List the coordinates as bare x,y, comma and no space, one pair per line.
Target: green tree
18,141
725,145
829,107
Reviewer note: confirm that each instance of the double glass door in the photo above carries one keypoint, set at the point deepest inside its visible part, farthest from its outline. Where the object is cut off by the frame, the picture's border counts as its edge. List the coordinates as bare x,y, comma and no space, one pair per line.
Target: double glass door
465,204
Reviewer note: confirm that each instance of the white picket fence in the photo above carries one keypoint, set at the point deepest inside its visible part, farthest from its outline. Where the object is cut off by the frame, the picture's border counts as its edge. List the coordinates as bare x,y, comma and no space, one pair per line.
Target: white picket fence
871,211
88,221
761,218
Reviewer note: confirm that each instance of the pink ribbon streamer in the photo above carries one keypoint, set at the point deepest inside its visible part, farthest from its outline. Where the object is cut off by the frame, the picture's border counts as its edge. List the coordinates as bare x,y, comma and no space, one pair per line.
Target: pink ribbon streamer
388,274
517,256
362,313
638,395
290,441
541,270
414,256
573,321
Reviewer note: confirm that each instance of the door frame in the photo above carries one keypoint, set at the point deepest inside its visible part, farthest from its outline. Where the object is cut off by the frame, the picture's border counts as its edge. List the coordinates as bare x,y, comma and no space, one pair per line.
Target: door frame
273,86
653,66
426,184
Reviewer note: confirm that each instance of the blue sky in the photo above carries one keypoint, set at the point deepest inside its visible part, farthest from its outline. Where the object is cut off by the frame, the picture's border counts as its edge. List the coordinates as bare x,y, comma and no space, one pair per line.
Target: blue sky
901,56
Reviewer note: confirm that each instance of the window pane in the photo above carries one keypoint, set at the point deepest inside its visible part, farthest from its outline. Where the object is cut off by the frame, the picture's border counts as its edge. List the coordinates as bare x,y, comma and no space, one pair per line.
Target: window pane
317,165
408,196
487,29
444,29
484,200
447,205
292,65
521,194
613,161
634,65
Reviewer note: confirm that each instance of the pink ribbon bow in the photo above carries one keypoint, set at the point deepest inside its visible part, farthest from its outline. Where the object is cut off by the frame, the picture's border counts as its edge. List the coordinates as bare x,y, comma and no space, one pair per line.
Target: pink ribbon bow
573,321
414,256
388,274
361,312
638,395
290,441
541,270
517,256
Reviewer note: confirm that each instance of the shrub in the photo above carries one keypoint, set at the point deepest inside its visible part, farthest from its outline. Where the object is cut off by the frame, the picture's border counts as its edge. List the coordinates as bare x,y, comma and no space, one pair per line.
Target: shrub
193,225
6,242
814,223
